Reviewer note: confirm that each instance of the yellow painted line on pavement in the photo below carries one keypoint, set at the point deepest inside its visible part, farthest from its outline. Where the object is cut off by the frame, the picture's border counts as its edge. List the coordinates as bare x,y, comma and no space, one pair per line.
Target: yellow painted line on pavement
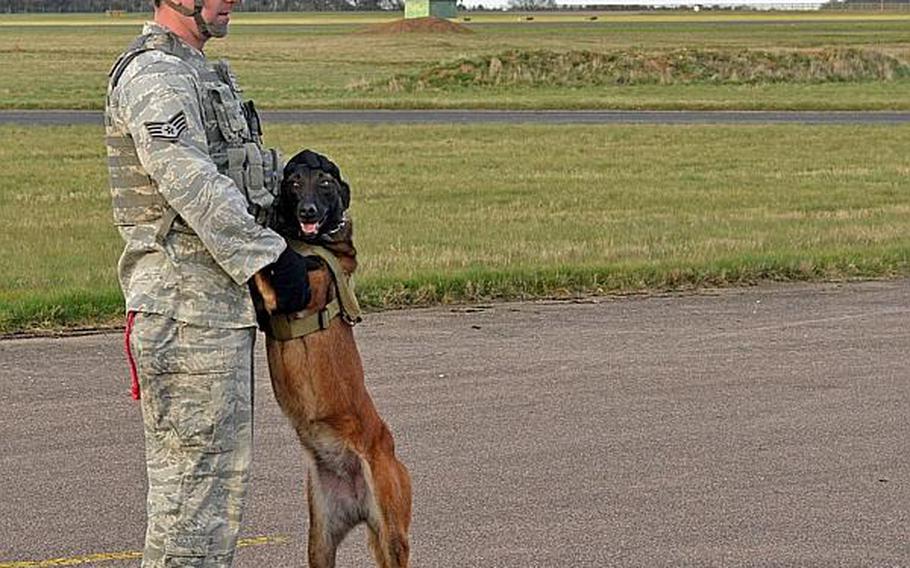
126,555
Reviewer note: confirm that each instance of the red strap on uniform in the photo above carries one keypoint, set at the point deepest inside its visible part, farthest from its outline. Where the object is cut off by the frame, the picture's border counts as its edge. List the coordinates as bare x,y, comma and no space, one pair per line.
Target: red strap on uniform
134,376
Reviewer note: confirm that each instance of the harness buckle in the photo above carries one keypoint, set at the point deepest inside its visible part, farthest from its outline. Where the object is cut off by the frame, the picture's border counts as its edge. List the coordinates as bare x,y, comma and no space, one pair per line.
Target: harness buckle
324,319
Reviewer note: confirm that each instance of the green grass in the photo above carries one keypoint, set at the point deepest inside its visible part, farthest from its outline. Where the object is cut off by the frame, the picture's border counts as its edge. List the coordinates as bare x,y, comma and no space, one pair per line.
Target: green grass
463,213
573,69
323,61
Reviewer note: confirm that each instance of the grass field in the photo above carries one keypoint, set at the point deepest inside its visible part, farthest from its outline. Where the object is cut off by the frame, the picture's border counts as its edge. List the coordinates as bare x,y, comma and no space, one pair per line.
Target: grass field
325,61
453,213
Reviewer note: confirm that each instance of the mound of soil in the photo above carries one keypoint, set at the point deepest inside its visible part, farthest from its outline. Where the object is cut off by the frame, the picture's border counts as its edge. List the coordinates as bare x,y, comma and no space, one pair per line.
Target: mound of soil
430,25
681,66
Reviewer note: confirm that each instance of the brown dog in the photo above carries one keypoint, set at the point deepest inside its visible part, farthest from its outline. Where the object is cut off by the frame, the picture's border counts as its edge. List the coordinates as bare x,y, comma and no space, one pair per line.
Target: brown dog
353,474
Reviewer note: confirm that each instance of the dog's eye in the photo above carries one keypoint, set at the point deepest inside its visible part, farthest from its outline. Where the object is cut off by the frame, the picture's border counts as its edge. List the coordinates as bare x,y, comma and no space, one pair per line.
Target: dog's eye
325,183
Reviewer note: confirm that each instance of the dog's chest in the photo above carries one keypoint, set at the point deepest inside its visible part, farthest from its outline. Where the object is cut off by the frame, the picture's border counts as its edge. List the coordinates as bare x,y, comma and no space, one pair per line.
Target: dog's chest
317,377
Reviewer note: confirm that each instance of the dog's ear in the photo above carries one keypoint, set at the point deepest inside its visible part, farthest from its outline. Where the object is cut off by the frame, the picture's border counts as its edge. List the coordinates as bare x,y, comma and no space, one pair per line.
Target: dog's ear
291,166
345,191
312,161
280,221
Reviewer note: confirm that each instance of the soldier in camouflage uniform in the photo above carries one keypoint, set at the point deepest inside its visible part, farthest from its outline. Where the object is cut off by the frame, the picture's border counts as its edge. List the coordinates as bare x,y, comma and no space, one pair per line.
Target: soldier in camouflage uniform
189,181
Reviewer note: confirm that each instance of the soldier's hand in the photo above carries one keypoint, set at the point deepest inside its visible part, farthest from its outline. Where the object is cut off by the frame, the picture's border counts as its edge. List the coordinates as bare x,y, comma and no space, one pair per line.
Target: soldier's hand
288,276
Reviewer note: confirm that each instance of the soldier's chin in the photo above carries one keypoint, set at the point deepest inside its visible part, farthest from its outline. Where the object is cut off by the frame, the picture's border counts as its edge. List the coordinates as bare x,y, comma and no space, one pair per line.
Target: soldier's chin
217,29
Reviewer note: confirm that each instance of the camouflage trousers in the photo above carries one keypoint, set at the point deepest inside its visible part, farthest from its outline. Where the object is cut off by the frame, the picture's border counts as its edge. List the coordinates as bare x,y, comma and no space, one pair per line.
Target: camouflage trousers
196,385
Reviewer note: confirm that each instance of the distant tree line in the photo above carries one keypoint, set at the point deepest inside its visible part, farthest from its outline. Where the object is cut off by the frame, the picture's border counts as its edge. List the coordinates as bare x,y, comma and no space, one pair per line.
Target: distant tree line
900,5
69,6
533,4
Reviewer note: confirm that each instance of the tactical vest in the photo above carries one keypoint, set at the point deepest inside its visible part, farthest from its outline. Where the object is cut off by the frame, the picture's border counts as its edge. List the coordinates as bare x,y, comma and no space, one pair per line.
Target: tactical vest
232,131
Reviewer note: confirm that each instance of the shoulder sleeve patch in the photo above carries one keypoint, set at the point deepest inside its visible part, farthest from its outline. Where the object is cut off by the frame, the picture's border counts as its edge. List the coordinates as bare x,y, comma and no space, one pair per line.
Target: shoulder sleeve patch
169,130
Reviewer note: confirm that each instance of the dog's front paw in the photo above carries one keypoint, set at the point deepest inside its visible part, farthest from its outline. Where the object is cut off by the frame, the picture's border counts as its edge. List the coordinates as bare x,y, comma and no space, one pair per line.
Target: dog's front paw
266,292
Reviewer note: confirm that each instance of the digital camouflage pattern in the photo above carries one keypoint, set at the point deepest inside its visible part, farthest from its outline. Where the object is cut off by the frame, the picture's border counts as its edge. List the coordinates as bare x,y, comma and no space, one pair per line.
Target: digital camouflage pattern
188,175
185,167
197,409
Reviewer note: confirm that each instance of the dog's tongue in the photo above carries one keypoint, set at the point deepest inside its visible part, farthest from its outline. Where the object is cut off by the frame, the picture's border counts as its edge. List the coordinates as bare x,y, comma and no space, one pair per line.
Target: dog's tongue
309,228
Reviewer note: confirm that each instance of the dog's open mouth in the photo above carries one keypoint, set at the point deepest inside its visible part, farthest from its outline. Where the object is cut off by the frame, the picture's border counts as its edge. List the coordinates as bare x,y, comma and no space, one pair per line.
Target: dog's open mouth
310,228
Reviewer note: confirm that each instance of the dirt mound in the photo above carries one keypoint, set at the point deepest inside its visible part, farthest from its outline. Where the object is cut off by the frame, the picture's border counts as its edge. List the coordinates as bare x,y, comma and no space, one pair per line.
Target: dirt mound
629,67
429,25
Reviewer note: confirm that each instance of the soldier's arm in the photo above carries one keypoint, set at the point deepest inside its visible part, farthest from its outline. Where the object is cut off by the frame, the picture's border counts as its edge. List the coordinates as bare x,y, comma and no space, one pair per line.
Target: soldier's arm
160,107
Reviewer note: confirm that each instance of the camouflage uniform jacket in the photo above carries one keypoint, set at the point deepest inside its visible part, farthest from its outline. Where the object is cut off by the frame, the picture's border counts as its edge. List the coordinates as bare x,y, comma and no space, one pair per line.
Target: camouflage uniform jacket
172,121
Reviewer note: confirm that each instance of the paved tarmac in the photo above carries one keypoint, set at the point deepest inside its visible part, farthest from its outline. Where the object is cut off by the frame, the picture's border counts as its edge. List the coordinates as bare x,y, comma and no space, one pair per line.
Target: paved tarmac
50,117
747,427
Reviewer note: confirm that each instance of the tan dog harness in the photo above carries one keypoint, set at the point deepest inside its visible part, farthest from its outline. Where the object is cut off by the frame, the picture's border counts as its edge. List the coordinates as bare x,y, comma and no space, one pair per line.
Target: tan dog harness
284,327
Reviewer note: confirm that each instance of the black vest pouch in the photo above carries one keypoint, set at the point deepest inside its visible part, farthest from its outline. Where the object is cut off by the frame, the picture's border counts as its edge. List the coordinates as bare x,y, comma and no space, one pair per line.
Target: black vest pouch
252,119
264,192
255,170
228,112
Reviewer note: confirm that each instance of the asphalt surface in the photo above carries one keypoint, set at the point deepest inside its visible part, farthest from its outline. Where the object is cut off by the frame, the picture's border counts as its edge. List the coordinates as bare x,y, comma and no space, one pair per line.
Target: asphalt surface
757,427
58,117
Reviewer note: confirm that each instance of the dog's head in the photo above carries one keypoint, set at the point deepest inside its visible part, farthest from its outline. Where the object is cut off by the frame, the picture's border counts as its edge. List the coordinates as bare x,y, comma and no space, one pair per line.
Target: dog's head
313,199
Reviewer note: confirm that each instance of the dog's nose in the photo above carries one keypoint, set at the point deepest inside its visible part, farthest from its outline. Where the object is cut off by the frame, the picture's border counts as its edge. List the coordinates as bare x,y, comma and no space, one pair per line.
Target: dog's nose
309,210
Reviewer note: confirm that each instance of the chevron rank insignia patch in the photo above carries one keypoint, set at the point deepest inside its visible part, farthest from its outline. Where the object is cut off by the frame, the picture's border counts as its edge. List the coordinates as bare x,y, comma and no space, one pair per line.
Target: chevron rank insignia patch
170,130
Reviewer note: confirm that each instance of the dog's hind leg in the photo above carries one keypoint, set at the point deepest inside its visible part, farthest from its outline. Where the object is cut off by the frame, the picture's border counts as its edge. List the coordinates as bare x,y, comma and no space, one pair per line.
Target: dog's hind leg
337,493
322,544
391,520
389,551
